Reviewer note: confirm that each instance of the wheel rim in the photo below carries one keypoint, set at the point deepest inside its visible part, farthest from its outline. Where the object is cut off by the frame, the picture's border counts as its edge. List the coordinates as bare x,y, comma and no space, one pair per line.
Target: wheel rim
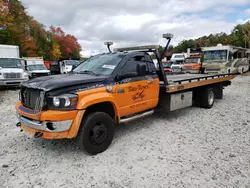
98,133
210,97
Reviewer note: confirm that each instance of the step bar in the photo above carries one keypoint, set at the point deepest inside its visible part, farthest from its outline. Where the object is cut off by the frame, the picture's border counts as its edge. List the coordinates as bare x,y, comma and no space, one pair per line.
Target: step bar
137,116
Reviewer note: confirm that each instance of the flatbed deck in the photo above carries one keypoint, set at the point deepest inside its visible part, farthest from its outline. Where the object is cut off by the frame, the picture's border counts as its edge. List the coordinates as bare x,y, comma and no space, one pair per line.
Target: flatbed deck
187,81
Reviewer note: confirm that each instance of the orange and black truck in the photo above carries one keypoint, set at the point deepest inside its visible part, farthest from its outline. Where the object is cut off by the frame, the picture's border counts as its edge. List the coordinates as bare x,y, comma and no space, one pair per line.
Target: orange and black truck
109,89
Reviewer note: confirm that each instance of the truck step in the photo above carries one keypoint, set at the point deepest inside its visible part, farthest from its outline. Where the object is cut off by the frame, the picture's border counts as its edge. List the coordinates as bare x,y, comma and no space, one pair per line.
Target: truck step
137,116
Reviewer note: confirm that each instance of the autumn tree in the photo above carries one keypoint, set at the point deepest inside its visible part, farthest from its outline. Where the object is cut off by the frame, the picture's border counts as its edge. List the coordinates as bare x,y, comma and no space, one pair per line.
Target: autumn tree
18,28
69,46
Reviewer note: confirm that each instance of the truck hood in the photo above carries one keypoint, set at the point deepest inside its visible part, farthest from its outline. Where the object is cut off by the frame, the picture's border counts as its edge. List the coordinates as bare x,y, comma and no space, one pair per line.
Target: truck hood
11,70
53,82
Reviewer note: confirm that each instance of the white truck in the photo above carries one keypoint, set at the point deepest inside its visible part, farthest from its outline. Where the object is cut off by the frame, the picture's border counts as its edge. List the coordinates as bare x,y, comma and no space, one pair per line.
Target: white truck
67,66
178,61
12,72
35,67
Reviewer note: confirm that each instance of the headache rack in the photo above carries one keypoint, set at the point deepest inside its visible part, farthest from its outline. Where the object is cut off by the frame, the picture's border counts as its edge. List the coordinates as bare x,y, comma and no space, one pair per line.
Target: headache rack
154,49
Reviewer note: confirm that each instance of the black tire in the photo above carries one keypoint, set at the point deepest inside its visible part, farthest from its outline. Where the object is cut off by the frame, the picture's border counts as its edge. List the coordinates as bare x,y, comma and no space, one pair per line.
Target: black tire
202,71
93,124
208,98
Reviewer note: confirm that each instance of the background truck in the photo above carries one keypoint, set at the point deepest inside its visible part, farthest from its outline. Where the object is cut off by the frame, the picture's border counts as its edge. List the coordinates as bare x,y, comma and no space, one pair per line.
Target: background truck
11,66
108,89
63,66
35,67
193,61
67,66
178,61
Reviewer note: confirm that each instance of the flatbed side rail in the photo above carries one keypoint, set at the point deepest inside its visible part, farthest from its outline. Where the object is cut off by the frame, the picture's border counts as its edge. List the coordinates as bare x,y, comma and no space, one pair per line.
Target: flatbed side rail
184,84
202,78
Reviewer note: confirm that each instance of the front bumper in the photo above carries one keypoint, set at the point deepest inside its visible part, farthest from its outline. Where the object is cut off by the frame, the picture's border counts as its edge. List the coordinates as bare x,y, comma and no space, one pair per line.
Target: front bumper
12,82
50,124
192,71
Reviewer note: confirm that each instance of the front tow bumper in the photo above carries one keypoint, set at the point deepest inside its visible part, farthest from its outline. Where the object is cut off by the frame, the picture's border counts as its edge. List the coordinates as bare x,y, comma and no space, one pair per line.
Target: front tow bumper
49,126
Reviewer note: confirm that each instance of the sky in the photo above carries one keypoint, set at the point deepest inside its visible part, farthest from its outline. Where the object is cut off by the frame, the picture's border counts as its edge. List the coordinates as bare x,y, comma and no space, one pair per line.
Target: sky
138,22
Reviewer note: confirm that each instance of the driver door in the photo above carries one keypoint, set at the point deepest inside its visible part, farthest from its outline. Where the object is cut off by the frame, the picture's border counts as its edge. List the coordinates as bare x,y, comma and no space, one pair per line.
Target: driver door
138,93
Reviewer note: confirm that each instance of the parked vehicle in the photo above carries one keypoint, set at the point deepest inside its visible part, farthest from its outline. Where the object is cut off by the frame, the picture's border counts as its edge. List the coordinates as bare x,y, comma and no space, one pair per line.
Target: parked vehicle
67,66
178,61
167,66
108,89
35,67
193,63
11,70
225,59
55,67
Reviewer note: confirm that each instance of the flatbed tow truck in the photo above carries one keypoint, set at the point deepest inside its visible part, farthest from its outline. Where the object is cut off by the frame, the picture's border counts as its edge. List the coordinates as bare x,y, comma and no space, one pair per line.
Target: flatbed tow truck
107,89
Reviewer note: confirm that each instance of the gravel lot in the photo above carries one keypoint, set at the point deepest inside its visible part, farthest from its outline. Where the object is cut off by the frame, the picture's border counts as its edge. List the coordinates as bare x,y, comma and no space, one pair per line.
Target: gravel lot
192,147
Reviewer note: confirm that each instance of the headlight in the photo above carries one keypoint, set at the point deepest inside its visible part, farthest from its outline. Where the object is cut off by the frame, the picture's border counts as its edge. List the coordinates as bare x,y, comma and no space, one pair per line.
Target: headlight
63,102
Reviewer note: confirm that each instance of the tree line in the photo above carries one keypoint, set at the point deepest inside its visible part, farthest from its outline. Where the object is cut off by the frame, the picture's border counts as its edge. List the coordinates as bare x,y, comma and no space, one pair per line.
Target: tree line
32,37
240,36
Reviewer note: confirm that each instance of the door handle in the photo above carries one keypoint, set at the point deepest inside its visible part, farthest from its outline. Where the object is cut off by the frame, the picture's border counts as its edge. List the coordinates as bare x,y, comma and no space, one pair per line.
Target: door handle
150,81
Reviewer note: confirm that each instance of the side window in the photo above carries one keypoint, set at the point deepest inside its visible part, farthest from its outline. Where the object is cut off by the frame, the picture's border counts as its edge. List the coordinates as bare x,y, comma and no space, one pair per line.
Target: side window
131,65
151,65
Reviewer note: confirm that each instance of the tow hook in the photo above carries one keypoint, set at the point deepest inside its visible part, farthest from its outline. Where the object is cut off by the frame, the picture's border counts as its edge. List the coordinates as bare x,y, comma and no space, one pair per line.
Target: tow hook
18,124
38,134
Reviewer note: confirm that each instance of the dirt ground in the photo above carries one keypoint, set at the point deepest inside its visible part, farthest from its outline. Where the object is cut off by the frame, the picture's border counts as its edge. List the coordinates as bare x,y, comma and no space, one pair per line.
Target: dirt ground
192,147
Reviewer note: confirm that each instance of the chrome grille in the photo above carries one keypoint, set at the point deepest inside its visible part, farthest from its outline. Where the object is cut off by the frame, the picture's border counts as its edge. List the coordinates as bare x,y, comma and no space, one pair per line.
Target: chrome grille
12,75
32,98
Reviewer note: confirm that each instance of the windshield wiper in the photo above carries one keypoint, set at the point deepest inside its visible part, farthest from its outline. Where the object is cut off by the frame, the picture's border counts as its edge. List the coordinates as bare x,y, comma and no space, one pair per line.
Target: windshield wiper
87,71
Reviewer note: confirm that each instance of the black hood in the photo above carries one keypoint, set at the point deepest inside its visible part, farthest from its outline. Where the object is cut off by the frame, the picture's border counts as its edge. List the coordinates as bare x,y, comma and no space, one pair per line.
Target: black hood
48,83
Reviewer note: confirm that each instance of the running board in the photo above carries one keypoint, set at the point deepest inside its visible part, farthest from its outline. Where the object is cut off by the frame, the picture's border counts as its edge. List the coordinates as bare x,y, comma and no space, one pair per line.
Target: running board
136,116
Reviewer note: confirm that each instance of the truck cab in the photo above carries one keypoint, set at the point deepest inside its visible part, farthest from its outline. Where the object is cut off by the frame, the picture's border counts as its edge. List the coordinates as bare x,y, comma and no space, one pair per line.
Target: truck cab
12,71
35,67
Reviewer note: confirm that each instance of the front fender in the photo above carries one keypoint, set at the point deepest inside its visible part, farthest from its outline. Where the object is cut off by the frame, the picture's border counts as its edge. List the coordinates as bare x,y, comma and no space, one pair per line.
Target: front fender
96,98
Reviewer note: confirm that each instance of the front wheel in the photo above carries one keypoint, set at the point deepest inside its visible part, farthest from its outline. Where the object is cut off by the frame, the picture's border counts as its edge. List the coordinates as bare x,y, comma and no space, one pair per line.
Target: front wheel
96,132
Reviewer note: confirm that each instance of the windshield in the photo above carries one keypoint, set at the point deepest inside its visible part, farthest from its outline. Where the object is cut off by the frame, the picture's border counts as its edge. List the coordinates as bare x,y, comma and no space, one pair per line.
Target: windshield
36,67
178,62
192,60
215,55
166,65
71,62
10,63
100,64
179,56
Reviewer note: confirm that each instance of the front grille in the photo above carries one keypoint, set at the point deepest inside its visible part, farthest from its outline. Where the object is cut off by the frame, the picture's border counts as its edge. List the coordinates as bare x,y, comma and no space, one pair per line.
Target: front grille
12,75
32,98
